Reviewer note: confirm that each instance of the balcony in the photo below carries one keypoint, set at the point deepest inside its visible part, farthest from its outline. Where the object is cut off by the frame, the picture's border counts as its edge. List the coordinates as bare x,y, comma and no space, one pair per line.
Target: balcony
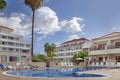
14,53
12,46
95,49
69,51
63,56
113,47
97,52
113,51
108,50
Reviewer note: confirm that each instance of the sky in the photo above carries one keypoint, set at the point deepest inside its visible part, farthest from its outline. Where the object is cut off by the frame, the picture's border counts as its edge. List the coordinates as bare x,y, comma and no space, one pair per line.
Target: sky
58,21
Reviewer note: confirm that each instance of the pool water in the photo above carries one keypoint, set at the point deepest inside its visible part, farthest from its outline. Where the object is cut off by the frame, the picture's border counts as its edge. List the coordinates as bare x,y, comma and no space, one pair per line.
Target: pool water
54,73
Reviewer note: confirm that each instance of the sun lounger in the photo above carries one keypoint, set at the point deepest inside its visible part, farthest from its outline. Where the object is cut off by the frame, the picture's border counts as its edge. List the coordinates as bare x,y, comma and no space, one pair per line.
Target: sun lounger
118,64
71,64
92,65
101,64
62,64
2,66
97,65
11,67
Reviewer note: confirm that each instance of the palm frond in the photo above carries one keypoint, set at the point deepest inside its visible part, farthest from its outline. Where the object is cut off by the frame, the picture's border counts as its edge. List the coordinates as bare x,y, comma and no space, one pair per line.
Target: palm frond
34,4
2,4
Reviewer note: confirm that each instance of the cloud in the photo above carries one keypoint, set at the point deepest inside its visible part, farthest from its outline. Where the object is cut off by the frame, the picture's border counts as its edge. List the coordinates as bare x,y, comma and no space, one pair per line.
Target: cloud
46,23
18,22
57,44
73,37
116,28
1,14
72,25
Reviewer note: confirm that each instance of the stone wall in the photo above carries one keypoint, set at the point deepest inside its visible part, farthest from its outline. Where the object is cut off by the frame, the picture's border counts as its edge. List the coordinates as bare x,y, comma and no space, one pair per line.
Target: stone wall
54,65
38,64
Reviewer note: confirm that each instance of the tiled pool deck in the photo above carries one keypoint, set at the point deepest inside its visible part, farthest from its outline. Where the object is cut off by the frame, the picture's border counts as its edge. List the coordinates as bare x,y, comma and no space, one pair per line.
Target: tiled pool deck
113,74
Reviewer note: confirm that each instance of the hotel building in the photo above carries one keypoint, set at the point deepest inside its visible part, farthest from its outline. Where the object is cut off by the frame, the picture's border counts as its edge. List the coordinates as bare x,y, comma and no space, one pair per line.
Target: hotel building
12,49
105,50
69,48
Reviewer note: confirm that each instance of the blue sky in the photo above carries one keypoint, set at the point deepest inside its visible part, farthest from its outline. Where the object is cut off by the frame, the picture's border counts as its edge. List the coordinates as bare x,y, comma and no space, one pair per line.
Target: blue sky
61,20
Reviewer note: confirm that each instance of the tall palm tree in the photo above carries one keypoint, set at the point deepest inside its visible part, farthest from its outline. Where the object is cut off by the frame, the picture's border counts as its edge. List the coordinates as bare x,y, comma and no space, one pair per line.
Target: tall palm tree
34,5
2,4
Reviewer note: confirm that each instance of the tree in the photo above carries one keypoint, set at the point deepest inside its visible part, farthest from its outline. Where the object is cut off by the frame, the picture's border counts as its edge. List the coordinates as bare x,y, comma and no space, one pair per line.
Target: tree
34,5
49,49
39,58
81,54
2,4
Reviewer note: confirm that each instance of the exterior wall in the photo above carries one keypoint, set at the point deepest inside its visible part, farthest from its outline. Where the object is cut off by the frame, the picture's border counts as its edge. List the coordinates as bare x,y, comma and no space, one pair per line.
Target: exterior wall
68,49
38,64
15,57
12,49
105,51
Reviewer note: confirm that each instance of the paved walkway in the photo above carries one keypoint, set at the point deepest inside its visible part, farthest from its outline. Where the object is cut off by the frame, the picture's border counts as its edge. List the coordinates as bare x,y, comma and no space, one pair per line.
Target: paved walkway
113,74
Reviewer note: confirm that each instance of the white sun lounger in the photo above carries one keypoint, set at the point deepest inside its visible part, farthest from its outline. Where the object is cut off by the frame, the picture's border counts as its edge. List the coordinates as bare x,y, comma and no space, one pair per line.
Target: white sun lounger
118,64
101,64
97,65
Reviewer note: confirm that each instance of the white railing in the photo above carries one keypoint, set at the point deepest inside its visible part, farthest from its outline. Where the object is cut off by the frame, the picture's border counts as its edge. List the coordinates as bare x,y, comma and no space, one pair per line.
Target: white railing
15,47
107,51
68,51
97,52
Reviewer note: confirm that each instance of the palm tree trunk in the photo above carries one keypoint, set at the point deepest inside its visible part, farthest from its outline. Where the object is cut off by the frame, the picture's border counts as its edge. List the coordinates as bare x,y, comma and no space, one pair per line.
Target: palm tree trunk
32,42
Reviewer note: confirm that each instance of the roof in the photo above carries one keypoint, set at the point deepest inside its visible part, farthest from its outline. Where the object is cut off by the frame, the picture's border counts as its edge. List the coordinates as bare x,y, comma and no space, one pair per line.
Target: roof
6,28
75,40
108,35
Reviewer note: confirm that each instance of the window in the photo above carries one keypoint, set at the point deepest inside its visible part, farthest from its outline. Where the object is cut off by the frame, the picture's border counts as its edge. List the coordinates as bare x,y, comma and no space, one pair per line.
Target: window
23,58
3,48
117,58
100,59
10,49
14,58
27,45
9,37
25,51
3,43
117,44
68,54
61,50
10,43
68,48
3,58
17,39
17,44
4,37
22,45
101,46
17,50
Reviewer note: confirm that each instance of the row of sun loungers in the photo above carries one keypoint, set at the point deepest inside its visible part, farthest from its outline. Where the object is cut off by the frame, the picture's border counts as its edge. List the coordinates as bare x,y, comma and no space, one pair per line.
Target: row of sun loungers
105,65
15,67
67,64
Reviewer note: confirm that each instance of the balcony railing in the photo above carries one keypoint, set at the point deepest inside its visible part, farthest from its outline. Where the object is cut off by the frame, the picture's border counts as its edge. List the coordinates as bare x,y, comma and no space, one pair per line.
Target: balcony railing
113,47
108,47
94,49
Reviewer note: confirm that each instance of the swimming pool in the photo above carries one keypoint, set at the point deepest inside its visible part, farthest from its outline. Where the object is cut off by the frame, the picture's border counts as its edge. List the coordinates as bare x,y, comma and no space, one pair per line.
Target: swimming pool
54,73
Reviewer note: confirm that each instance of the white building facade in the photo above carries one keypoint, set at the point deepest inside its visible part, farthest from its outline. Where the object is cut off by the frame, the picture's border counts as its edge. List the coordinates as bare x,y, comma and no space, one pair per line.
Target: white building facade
105,50
69,48
12,49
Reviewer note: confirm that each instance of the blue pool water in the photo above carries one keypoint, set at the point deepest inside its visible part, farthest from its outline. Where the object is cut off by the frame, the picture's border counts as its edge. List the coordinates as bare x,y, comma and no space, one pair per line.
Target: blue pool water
54,73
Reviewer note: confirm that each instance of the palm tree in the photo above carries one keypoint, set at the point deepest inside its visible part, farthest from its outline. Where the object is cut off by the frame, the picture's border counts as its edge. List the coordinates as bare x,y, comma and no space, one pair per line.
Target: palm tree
2,4
49,49
34,5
